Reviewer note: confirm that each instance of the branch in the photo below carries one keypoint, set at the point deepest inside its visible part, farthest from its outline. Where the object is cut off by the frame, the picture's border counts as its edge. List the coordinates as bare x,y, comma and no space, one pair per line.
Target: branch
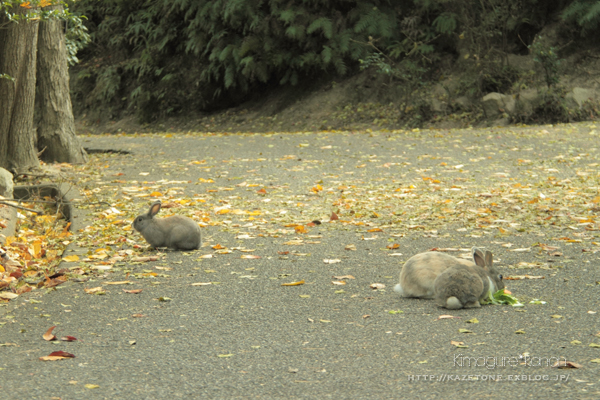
21,208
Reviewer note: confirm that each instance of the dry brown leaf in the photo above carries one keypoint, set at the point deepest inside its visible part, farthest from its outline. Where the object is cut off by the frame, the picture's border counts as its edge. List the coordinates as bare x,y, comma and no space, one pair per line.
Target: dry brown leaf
377,286
93,290
49,335
133,291
445,316
144,259
566,364
338,282
118,283
340,277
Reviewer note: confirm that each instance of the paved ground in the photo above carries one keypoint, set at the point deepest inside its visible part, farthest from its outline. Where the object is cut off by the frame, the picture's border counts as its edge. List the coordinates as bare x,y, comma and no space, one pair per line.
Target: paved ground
534,190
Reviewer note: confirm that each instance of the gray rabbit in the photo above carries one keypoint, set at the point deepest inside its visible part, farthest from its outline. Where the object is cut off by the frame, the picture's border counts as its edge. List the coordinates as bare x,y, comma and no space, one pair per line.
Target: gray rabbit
465,286
420,271
176,232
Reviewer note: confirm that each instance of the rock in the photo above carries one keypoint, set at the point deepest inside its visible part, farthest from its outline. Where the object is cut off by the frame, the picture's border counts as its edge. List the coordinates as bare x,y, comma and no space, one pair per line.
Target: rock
526,100
524,63
463,103
578,96
6,184
439,91
437,106
496,104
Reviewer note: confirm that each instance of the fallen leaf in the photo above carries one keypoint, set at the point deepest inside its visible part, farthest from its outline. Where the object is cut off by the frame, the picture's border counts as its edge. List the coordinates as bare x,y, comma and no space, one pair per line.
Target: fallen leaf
68,338
71,258
393,246
57,355
294,283
300,229
350,247
458,344
96,290
340,277
446,317
49,335
250,256
472,321
91,386
462,330
201,283
377,286
331,261
566,364
118,283
338,282
333,217
133,291
8,295
520,332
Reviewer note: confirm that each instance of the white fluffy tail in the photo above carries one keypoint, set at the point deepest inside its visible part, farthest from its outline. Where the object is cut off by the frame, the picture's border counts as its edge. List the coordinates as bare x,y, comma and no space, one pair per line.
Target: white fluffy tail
453,303
398,288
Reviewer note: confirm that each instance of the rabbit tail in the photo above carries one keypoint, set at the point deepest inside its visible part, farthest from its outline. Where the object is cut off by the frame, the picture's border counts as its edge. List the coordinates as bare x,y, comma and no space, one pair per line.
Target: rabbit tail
453,303
398,289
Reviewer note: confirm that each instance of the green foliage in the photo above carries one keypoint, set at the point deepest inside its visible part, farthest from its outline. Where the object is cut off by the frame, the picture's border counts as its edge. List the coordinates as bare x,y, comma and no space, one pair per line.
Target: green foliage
547,58
235,45
76,38
585,13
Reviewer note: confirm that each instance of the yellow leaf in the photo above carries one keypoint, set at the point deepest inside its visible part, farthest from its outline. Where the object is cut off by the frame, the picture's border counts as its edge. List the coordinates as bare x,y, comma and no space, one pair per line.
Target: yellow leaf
155,194
91,386
300,229
294,283
71,258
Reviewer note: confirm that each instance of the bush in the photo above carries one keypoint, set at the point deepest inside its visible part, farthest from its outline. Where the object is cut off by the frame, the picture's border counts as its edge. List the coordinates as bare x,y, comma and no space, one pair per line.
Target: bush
180,55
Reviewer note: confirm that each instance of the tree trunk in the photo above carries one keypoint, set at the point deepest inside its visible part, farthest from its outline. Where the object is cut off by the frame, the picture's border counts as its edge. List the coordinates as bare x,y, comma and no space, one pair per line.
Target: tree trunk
18,48
56,140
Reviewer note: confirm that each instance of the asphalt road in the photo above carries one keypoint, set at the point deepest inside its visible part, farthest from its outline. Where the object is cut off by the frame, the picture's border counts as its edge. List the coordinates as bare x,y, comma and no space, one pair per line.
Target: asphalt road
247,336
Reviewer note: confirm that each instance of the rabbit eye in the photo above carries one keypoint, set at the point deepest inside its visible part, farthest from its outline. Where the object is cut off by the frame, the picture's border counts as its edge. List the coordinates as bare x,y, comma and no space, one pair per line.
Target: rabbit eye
500,276
140,219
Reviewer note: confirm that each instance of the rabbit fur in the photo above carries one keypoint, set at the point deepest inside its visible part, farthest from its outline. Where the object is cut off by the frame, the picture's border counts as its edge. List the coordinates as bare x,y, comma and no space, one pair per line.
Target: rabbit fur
463,286
177,232
420,271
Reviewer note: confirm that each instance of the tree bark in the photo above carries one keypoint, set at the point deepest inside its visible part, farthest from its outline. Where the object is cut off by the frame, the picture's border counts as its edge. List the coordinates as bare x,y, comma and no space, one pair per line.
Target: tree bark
56,138
18,49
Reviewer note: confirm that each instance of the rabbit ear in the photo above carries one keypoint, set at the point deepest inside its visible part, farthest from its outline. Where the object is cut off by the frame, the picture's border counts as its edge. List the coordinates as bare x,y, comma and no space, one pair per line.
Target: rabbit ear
154,209
489,259
478,257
